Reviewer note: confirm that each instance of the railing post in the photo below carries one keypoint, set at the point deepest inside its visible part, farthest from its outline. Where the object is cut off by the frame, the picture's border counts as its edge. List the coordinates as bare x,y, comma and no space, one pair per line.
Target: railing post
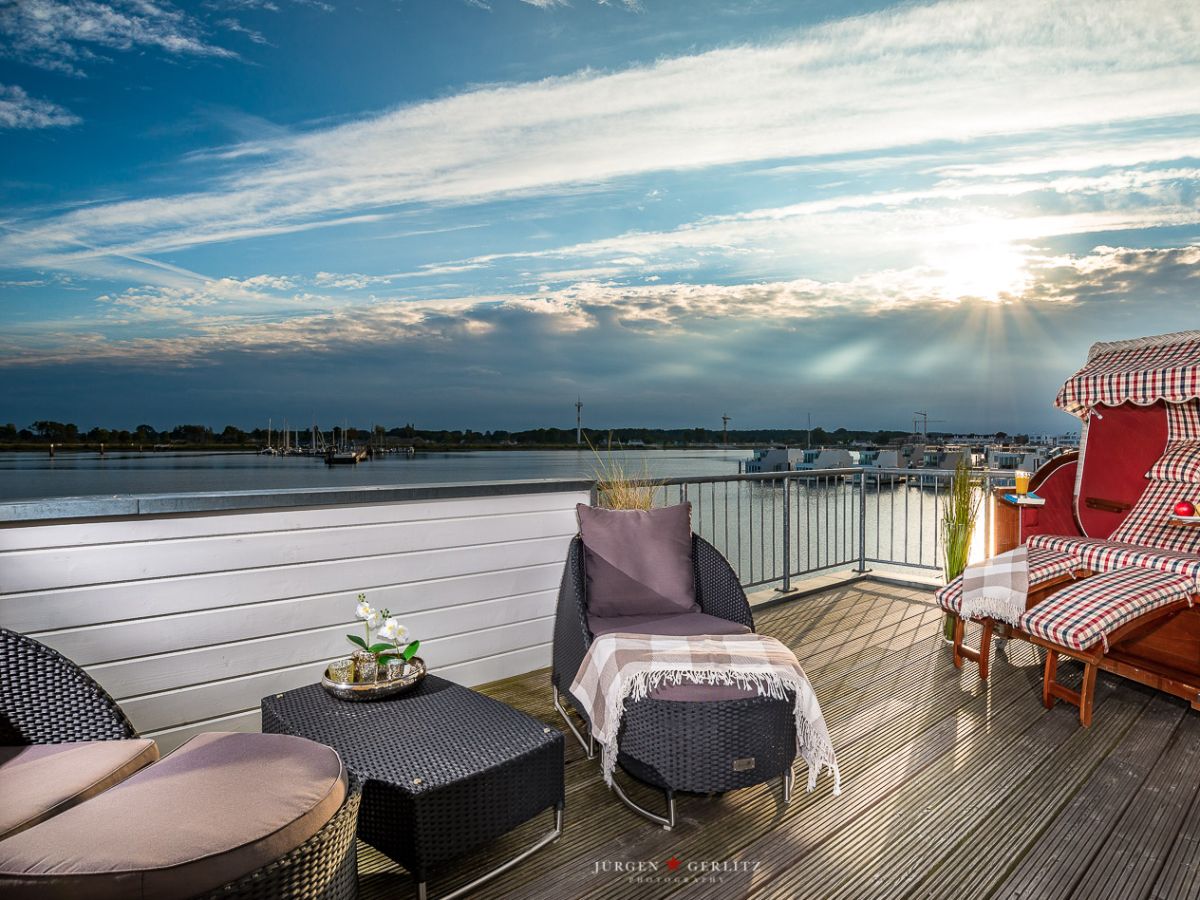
787,536
862,522
987,516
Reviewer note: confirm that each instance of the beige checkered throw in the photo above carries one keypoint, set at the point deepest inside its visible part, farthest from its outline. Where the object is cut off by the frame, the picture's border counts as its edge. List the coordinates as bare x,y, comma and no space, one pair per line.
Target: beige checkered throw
620,667
997,587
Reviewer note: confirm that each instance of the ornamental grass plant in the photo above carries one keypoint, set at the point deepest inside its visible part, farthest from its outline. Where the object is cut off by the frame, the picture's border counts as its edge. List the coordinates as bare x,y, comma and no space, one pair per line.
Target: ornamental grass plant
616,488
958,525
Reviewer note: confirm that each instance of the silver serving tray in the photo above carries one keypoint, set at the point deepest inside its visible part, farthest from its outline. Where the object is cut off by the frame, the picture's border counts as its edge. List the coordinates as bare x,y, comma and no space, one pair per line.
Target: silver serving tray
379,690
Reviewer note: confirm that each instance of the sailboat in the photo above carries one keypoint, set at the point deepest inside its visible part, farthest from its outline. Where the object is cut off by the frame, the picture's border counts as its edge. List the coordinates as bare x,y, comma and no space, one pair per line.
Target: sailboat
341,455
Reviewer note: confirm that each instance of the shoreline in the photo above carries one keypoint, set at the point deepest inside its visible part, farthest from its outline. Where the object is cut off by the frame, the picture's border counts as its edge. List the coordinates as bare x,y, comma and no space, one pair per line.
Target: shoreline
243,450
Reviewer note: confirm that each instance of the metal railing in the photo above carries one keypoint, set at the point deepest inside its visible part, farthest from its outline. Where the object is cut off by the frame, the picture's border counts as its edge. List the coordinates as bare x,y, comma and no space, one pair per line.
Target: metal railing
777,526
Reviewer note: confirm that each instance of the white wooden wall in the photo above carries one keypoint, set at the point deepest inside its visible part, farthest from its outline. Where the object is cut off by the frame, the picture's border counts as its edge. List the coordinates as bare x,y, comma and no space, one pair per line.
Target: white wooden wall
190,620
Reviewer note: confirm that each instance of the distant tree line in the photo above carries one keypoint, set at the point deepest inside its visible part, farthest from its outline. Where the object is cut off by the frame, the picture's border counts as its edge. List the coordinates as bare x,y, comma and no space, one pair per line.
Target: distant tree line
68,434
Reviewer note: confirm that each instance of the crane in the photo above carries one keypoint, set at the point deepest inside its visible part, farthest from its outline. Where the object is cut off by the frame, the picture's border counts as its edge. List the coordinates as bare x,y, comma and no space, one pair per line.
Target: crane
725,430
925,420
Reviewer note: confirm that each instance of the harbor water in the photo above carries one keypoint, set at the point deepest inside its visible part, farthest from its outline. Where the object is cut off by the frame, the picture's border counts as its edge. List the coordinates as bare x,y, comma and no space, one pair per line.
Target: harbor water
826,516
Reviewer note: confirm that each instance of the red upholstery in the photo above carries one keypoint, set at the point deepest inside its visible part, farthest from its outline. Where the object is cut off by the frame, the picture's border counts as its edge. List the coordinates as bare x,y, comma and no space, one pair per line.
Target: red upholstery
1043,566
1084,614
1056,483
1121,444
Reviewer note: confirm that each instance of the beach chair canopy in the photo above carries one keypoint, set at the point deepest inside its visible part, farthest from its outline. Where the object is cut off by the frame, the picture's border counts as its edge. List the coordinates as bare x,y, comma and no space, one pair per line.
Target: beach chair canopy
1142,371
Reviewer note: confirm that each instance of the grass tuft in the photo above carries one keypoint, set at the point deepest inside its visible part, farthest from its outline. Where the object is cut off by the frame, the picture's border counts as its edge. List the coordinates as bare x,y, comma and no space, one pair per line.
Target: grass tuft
616,488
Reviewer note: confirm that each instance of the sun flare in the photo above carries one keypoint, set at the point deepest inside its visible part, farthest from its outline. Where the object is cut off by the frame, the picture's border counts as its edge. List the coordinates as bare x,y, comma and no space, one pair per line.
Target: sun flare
980,261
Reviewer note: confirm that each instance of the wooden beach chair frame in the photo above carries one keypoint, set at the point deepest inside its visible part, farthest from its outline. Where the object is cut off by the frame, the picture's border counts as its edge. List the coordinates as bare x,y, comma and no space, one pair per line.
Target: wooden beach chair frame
1161,647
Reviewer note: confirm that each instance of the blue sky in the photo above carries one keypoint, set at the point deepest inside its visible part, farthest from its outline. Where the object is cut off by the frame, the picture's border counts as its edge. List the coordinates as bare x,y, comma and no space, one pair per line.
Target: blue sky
465,214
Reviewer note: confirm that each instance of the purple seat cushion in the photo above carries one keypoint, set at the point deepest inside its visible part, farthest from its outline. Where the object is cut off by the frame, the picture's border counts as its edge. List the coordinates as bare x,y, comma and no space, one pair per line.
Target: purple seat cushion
219,807
638,562
43,780
677,625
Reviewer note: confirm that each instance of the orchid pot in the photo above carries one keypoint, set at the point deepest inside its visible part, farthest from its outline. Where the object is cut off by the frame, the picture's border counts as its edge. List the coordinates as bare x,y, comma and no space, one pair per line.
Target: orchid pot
387,656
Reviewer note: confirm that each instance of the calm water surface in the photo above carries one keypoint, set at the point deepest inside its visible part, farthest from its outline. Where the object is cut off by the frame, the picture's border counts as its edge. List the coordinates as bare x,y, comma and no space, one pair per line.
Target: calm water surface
26,476
900,522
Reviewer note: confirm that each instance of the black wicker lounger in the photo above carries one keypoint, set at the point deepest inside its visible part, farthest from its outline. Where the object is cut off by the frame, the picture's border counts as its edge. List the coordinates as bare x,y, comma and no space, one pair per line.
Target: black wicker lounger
699,746
46,699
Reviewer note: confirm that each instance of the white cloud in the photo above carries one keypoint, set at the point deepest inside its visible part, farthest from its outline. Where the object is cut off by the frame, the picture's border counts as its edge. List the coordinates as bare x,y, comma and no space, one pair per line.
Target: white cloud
232,24
929,223
1081,156
19,110
194,301
267,314
949,71
60,34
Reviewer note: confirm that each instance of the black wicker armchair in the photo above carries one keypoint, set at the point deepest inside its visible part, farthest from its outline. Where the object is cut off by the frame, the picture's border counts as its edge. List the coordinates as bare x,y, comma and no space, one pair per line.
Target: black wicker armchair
47,699
693,746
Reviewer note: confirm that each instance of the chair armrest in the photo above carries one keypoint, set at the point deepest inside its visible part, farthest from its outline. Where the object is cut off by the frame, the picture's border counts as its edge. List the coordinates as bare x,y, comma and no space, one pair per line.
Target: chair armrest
571,635
718,589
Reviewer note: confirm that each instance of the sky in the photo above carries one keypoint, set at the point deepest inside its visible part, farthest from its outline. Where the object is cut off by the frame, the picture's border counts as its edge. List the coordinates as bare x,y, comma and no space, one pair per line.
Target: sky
468,213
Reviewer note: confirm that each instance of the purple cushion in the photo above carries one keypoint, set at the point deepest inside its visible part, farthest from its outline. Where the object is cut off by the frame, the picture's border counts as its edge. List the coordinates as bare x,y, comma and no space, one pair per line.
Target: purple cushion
219,807
41,781
677,625
638,562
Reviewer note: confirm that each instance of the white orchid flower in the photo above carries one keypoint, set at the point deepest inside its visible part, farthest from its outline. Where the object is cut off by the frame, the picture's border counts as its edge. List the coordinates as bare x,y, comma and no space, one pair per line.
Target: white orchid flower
372,619
392,630
364,610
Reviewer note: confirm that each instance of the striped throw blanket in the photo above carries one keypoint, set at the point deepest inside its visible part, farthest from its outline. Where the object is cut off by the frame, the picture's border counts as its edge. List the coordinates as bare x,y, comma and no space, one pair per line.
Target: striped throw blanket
997,587
620,667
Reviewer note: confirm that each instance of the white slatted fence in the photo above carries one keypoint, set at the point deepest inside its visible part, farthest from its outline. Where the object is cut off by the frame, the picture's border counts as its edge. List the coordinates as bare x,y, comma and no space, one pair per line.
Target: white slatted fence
190,619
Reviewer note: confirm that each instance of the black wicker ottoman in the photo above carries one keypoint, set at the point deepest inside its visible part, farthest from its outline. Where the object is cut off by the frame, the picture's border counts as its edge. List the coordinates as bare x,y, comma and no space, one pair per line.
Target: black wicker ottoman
444,769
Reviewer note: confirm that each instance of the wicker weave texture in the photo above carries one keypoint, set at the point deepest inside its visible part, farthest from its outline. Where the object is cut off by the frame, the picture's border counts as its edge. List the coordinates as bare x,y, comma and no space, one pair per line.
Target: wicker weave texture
444,769
47,699
325,867
718,590
718,745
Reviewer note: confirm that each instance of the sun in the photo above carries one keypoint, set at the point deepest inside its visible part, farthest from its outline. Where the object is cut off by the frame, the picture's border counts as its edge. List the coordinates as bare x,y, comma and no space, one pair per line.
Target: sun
979,261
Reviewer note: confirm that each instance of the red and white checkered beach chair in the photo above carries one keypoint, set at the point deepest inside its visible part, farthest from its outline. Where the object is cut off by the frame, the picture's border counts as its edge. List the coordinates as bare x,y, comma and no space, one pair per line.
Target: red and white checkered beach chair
1084,619
1132,611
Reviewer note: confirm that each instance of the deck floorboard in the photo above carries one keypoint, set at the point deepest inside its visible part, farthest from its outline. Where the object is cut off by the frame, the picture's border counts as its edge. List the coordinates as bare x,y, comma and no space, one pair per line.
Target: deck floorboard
953,788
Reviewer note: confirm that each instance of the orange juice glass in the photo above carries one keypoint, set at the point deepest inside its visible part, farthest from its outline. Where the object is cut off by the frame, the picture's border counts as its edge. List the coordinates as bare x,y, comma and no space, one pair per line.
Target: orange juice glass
1022,482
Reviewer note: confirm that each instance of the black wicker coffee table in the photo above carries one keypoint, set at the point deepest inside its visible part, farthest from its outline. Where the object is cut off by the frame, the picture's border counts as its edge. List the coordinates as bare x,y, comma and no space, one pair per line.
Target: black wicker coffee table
444,769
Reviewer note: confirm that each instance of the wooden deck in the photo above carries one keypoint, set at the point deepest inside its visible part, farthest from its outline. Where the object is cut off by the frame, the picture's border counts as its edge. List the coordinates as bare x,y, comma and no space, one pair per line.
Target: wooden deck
951,789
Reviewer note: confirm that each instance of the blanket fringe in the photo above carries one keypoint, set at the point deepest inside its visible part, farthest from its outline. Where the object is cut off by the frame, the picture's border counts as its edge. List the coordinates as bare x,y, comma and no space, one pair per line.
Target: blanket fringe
990,605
